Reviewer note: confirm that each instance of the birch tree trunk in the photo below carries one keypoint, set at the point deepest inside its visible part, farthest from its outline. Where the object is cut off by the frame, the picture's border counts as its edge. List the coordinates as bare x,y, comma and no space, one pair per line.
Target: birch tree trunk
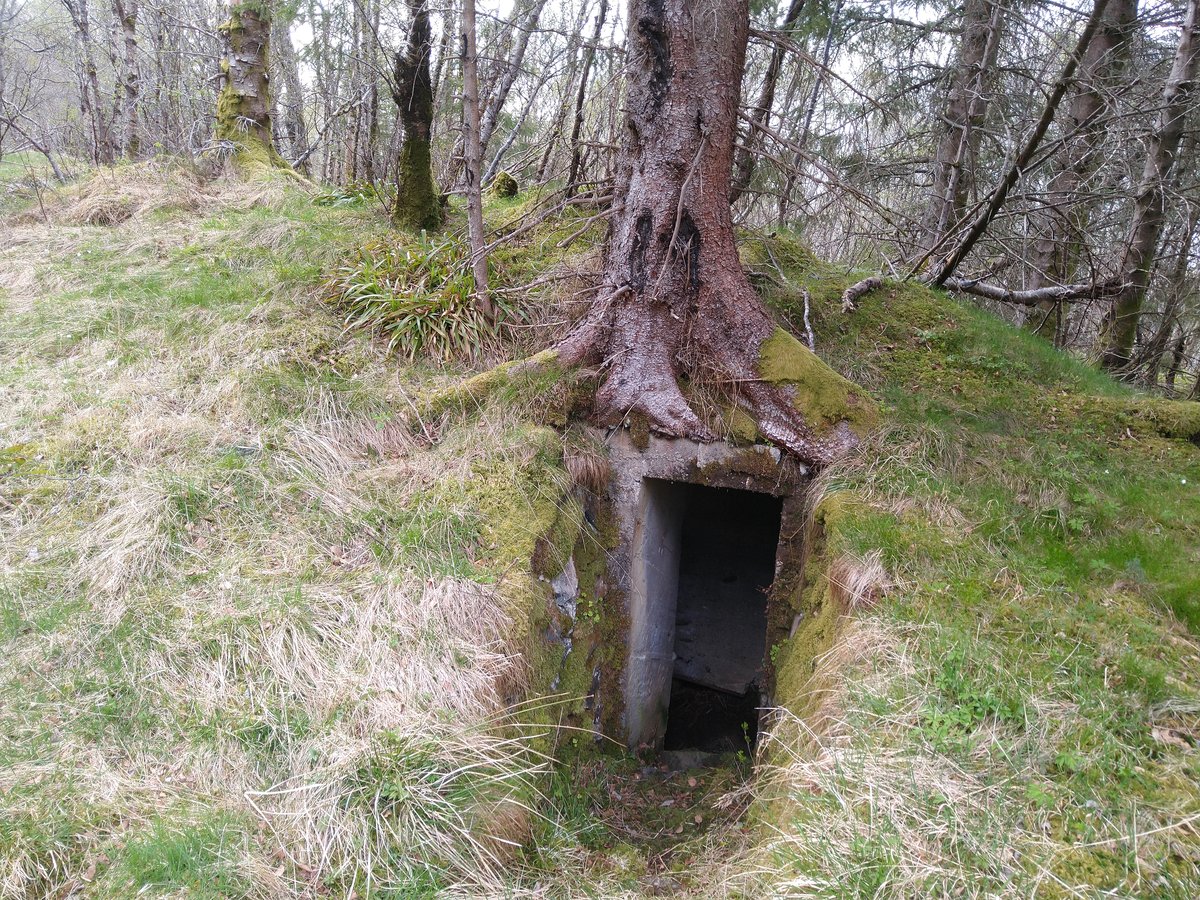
1057,248
958,131
126,12
90,103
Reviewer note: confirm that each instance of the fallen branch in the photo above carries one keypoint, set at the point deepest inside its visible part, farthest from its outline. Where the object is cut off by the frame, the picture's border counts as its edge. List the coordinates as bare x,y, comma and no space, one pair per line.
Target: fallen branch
1066,293
858,290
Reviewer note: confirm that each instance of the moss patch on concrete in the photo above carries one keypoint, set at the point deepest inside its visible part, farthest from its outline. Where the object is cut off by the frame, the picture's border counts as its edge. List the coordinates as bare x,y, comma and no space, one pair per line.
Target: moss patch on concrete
819,608
532,526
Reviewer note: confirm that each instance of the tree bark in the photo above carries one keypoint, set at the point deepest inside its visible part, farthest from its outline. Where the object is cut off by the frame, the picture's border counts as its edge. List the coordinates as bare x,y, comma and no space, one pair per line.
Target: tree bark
675,310
472,160
1178,354
244,106
1023,157
90,104
512,69
800,150
743,167
1119,330
1152,352
560,115
966,106
417,203
126,12
1057,247
292,108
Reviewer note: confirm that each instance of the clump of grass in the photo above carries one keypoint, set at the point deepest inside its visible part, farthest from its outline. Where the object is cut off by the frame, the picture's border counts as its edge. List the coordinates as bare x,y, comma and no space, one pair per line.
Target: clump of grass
421,297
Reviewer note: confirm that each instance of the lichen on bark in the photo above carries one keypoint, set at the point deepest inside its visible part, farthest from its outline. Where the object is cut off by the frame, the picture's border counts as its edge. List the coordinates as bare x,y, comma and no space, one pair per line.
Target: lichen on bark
243,114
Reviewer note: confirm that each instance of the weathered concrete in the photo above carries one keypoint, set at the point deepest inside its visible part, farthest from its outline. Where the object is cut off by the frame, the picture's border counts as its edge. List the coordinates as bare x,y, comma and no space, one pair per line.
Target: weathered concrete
648,493
653,584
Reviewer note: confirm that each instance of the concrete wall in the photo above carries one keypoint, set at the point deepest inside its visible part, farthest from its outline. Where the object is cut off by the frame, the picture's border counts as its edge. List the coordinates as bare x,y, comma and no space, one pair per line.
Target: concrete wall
653,585
645,564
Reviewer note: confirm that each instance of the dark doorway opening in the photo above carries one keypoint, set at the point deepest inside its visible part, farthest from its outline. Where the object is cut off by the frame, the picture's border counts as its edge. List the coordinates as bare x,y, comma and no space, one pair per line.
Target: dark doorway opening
727,553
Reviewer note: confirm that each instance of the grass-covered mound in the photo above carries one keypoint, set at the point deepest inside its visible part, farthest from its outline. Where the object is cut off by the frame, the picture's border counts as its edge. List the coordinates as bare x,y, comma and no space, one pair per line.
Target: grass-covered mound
1017,713
262,611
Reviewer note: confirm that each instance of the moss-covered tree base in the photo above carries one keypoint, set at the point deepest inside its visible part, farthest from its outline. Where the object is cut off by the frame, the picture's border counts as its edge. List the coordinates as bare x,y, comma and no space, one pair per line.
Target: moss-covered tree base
418,204
243,116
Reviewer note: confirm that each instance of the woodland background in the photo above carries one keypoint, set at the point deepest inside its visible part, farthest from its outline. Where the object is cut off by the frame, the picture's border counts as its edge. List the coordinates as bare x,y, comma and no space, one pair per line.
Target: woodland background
878,133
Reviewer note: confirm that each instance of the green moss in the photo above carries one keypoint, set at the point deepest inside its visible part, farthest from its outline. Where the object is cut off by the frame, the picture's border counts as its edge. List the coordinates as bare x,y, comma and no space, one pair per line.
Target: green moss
1096,868
236,122
1168,418
821,394
740,425
503,186
471,393
418,204
817,604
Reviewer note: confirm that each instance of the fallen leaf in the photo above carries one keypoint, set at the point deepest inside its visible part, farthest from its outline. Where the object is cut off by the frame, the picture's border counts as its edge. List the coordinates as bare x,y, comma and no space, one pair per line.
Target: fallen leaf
1169,736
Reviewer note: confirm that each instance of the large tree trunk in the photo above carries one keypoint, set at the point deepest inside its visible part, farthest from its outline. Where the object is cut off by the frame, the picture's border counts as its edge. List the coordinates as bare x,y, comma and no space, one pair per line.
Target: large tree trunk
1121,322
417,203
1057,248
676,311
244,105
958,132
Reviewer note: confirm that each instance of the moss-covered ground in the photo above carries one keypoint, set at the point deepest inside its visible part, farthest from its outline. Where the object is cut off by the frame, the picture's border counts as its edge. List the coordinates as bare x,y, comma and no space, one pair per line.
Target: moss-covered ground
260,623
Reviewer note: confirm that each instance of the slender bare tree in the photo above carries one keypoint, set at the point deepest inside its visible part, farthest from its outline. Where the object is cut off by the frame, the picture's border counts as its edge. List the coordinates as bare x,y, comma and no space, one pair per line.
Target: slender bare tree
1119,330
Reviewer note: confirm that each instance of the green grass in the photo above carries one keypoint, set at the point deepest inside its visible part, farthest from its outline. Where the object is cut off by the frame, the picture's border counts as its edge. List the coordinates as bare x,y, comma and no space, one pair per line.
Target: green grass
235,590
199,858
1041,530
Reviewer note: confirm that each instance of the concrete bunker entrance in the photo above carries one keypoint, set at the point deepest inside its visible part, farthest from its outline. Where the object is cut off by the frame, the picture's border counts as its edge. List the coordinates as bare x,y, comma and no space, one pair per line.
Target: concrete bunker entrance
707,558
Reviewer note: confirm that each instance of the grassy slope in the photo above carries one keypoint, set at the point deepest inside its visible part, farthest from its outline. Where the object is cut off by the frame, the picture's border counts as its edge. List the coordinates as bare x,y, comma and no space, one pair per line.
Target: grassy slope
1024,700
224,573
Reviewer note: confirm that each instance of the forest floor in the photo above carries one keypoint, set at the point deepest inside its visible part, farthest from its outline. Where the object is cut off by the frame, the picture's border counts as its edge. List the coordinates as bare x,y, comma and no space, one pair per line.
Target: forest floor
250,630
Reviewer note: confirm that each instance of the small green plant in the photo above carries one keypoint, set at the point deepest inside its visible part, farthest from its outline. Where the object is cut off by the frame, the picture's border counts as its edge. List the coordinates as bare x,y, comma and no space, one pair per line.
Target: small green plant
963,703
359,191
420,296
